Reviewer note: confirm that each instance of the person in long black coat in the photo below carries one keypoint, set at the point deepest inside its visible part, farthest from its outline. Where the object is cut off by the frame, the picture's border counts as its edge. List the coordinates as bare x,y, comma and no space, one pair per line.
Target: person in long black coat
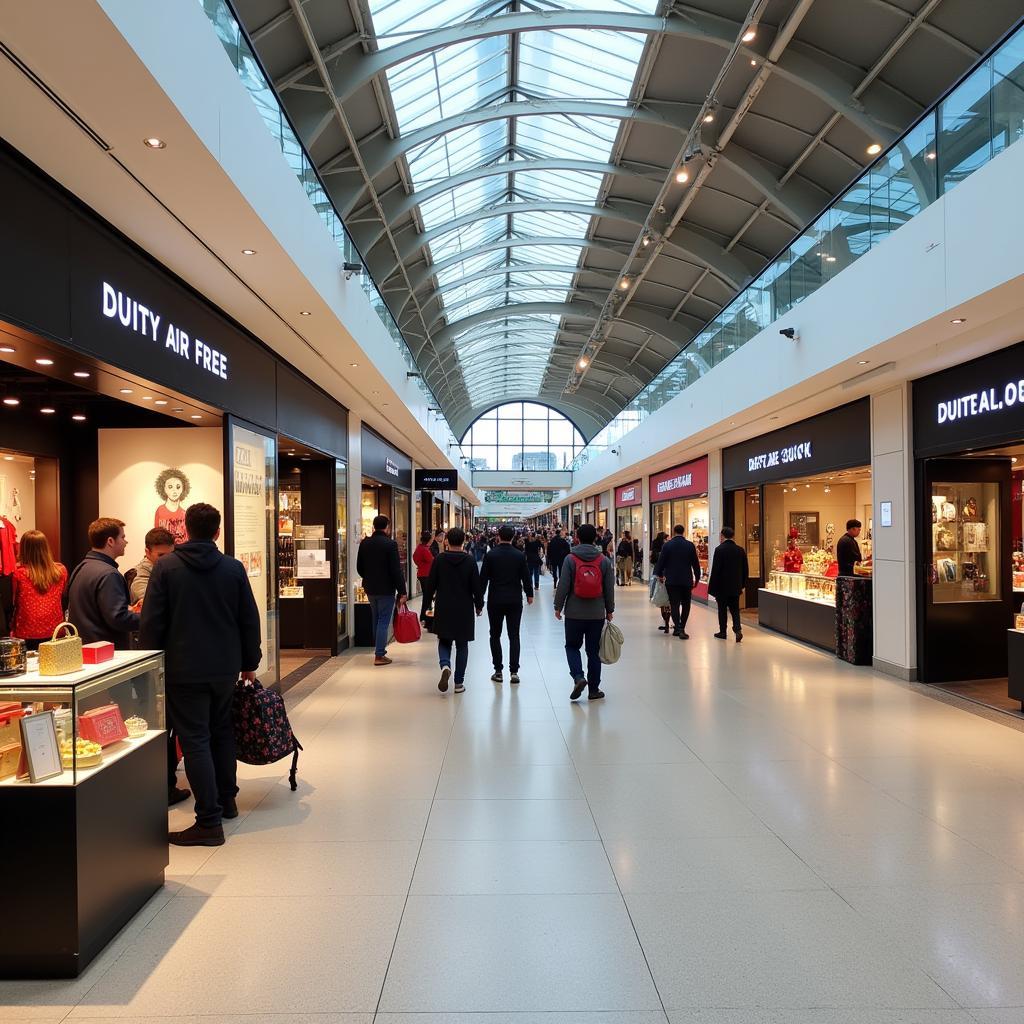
728,580
454,587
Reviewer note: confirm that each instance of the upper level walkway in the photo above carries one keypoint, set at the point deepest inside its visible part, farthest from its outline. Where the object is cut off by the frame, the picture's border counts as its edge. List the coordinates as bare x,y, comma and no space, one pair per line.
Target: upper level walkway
739,834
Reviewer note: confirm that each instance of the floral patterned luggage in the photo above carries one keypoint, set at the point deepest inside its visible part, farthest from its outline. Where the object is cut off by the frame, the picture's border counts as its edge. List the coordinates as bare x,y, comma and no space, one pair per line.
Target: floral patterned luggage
263,733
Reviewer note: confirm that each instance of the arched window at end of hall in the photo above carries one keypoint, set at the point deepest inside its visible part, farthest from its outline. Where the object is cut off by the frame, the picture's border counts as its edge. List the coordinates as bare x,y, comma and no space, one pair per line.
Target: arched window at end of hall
522,436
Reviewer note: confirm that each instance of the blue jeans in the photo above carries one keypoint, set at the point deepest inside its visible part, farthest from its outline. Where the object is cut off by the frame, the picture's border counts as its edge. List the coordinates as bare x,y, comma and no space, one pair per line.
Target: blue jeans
578,631
535,573
444,656
382,609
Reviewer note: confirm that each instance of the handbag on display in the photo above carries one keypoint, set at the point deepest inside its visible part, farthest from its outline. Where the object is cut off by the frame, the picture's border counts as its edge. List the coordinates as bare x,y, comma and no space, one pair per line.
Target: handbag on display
60,655
407,625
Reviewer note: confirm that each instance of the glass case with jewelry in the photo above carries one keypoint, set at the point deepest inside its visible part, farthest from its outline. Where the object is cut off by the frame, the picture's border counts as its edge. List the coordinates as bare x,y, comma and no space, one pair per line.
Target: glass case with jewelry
965,540
808,586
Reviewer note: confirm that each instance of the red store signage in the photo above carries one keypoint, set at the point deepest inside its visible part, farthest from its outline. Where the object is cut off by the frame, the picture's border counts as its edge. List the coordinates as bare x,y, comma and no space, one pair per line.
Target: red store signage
627,494
685,481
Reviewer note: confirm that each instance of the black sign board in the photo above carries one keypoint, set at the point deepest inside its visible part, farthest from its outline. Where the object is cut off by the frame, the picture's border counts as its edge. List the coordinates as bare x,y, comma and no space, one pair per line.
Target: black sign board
838,439
384,463
976,405
437,480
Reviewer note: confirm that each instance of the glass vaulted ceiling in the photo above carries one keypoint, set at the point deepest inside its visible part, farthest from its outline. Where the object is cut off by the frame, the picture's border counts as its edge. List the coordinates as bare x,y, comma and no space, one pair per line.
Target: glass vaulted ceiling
598,66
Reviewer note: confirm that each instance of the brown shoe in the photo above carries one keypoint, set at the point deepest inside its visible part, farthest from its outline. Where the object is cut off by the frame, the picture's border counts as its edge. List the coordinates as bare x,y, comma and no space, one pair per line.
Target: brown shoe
198,835
382,661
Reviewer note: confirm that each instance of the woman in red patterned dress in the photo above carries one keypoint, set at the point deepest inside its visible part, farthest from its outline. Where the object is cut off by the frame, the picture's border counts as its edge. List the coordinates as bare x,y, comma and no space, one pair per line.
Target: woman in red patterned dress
39,584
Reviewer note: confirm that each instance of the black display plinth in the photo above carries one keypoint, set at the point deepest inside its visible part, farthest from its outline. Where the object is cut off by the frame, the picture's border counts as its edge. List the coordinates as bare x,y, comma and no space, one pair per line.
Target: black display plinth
810,621
1015,665
362,634
80,861
854,628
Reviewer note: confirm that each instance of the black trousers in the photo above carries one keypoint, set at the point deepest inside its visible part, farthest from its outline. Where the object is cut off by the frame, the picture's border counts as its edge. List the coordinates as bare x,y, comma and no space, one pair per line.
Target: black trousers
510,616
679,602
727,606
200,714
553,568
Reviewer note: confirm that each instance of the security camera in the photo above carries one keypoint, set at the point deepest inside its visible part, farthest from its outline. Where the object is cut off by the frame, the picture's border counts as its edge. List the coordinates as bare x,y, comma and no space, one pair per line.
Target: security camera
790,332
616,451
351,269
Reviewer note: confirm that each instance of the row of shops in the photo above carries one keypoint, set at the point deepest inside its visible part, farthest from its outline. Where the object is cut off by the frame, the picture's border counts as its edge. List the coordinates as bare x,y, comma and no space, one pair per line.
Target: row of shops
957,525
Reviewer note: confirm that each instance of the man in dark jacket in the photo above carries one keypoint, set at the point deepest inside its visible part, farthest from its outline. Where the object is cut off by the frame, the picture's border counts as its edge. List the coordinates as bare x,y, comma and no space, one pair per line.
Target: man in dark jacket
200,610
728,580
558,548
847,549
98,598
679,569
454,587
378,564
624,560
585,616
505,577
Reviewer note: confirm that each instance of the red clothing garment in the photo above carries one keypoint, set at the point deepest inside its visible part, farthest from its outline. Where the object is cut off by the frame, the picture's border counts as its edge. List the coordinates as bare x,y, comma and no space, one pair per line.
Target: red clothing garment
424,559
37,615
172,521
792,560
8,547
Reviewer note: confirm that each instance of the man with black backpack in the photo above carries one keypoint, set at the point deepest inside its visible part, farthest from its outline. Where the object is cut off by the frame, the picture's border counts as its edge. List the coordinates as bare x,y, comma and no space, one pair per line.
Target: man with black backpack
586,594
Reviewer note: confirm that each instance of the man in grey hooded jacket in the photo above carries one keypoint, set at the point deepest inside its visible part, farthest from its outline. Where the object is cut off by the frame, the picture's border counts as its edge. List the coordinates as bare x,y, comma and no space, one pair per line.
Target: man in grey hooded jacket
585,616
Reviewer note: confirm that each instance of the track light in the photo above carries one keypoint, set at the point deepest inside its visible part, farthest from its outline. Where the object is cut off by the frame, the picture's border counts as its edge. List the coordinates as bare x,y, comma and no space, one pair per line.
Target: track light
682,176
624,284
750,35
874,149
583,362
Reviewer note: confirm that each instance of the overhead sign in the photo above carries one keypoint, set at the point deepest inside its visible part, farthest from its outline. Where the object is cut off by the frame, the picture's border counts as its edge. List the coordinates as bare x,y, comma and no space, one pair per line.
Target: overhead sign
687,480
628,494
437,480
384,463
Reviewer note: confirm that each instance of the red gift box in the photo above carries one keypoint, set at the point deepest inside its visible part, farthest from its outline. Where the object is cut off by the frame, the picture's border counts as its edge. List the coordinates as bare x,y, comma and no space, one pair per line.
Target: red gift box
95,654
102,725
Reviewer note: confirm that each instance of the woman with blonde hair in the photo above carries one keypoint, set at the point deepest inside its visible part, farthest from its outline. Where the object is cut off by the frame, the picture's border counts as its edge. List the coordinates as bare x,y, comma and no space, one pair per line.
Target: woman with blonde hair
39,584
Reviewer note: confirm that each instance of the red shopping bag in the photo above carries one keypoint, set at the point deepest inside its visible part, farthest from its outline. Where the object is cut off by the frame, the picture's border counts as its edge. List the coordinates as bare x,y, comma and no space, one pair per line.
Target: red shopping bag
407,626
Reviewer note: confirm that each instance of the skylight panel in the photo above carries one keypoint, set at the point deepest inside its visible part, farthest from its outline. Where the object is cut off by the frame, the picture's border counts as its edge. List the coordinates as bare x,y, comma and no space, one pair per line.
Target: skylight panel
591,64
457,201
576,136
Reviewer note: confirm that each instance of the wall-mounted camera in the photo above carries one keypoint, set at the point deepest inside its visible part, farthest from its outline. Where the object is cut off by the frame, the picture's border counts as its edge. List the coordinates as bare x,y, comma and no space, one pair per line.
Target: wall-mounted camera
790,332
351,269
616,451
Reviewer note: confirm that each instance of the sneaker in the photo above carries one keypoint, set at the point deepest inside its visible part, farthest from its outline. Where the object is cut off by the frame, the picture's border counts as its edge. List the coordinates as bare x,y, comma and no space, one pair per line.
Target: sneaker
229,808
198,835
176,795
596,695
514,679
382,661
719,636
442,683
496,678
460,687
578,687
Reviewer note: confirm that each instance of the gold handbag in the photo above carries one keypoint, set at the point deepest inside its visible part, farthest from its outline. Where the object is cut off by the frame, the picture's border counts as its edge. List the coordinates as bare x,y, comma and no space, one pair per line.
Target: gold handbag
57,657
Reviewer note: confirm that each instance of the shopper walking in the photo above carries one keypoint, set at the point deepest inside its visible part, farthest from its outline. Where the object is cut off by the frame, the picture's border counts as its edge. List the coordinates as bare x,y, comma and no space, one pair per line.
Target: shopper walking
558,548
586,595
423,559
97,595
624,560
200,610
437,543
378,564
38,590
505,577
159,542
534,550
454,587
679,569
728,580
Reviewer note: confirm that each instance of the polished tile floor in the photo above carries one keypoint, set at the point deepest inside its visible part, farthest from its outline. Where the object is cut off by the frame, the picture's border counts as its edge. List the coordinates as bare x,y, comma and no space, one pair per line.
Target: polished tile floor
749,834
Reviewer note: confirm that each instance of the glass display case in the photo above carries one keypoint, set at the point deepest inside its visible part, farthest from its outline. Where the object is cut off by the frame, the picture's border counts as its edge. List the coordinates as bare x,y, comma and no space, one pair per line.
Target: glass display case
965,542
807,586
100,714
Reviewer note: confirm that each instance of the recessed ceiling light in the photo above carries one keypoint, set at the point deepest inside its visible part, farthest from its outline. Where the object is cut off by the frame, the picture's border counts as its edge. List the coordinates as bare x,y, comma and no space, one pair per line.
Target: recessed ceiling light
353,365
126,391
682,177
154,143
160,401
304,312
178,408
750,35
78,417
81,374
874,149
147,398
47,410
12,401
44,362
753,63
8,458
248,252
929,156
197,416
958,320
6,348
863,362
830,259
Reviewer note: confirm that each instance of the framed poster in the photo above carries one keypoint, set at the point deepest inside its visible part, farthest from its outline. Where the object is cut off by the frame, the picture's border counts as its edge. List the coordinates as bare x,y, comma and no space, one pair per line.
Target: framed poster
806,526
39,743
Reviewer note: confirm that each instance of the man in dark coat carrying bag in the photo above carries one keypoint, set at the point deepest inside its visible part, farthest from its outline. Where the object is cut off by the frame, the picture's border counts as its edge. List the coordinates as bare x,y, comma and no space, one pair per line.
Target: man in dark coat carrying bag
454,587
728,580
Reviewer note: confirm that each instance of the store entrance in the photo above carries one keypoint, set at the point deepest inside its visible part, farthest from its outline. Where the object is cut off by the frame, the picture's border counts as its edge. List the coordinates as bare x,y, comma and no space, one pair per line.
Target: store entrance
306,559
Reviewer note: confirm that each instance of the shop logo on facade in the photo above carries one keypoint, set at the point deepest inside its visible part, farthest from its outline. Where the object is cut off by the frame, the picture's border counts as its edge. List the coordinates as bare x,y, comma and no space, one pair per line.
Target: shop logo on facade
780,457
677,483
979,402
628,495
134,316
390,468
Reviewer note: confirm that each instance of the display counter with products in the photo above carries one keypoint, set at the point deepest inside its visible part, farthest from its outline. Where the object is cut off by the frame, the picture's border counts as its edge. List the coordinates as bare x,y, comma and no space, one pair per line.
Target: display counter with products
801,605
83,795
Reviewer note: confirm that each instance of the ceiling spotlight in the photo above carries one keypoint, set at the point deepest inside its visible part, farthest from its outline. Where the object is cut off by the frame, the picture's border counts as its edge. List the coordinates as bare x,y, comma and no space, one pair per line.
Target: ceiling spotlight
624,283
78,417
709,117
81,374
828,490
147,398
874,149
830,259
353,365
44,362
8,458
127,391
304,312
248,252
583,363
753,63
750,35
929,156
12,401
682,176
197,416
47,410
646,240
863,362
958,320
807,485
6,349
154,143
178,409
160,401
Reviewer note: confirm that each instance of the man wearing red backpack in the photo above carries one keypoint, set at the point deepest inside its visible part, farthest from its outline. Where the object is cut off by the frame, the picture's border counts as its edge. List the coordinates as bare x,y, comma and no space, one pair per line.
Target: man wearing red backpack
586,594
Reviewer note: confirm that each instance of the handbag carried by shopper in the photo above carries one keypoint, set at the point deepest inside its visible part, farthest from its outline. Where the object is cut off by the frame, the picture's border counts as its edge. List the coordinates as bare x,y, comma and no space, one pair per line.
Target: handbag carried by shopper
659,593
407,625
611,643
61,654
263,733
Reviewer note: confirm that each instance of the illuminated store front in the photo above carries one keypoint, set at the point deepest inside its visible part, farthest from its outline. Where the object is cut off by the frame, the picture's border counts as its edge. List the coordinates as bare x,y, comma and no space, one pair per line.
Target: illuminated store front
679,496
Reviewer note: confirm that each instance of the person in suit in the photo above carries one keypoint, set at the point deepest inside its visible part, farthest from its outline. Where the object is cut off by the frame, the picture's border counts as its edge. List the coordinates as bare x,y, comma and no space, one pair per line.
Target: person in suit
454,587
378,564
679,569
505,577
728,580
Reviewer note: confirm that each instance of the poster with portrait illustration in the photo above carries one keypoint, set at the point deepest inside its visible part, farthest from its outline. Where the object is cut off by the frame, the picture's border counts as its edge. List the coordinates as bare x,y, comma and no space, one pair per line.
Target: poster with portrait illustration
149,478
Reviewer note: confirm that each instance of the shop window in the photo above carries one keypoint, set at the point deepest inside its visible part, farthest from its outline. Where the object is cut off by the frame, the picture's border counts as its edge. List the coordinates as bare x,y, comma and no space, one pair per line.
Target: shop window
965,542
